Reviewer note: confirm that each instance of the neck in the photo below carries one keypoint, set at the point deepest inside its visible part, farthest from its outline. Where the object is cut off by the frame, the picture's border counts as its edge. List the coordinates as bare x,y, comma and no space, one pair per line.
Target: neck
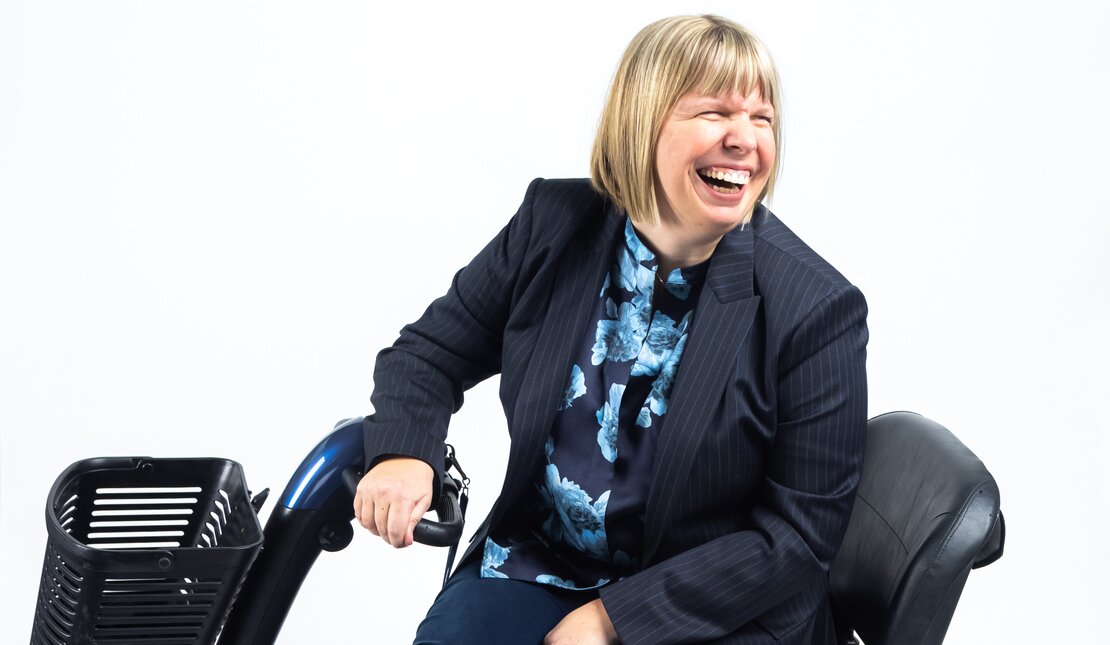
672,249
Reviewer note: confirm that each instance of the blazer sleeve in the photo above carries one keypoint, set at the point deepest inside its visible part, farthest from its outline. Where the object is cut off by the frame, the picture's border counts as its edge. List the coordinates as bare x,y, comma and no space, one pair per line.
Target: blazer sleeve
798,522
419,381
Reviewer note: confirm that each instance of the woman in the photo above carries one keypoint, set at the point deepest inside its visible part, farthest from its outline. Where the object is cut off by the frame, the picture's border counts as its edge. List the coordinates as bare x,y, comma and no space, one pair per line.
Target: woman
683,381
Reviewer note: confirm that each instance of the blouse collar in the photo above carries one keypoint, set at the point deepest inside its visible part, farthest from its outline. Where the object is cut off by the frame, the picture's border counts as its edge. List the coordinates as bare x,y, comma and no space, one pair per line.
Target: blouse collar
643,256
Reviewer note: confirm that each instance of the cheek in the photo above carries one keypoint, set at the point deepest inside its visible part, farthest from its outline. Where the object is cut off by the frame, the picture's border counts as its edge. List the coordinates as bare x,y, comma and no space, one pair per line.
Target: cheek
671,172
767,149
679,148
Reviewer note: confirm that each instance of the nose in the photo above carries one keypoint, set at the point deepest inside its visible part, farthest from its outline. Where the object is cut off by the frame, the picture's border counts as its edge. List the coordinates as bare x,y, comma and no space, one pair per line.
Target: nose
740,134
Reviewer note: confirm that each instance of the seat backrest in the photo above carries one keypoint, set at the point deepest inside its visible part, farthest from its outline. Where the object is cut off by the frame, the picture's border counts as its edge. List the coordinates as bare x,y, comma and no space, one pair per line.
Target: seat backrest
926,513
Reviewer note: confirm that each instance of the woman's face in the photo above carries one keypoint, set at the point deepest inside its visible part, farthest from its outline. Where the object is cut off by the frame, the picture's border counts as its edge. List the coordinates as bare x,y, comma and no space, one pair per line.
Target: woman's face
713,158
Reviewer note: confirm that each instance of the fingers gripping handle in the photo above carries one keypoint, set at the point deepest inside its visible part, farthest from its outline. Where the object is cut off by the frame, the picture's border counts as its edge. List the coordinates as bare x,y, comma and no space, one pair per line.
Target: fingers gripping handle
447,530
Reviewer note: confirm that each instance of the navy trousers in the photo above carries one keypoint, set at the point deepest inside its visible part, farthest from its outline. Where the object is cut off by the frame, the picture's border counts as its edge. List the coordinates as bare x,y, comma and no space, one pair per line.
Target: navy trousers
471,610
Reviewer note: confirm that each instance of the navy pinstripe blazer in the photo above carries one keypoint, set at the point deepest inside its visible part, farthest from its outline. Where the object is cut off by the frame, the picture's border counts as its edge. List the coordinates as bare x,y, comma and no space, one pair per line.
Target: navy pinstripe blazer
757,464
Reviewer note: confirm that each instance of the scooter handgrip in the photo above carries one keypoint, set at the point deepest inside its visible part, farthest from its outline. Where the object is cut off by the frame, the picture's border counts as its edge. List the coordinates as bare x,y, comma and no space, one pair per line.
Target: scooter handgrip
447,530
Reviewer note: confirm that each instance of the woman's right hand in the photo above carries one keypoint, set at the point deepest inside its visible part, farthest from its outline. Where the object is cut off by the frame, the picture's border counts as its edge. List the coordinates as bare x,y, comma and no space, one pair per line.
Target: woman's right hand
392,497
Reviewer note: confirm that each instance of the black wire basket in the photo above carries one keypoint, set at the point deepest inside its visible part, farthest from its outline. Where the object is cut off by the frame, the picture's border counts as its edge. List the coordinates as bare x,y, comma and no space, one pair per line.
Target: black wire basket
144,550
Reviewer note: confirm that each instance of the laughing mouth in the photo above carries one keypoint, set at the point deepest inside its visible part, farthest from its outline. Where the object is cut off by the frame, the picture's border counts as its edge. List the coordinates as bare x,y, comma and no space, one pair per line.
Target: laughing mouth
724,181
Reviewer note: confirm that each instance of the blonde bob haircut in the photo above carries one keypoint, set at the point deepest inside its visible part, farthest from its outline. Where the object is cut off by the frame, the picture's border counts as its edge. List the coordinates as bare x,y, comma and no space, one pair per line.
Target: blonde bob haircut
667,59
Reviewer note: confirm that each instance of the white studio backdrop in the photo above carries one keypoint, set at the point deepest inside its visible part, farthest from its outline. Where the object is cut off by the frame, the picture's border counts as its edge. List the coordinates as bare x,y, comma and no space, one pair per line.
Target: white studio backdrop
215,213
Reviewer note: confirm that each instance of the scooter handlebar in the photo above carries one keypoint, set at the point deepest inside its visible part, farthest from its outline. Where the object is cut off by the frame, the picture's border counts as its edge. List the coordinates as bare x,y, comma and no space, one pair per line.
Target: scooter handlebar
313,514
447,530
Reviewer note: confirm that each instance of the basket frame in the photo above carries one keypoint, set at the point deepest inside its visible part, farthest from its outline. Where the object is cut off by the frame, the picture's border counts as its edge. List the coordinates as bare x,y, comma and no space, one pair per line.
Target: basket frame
99,587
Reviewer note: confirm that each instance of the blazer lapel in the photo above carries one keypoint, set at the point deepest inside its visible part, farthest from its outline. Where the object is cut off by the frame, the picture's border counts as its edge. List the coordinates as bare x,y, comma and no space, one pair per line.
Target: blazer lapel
577,281
724,314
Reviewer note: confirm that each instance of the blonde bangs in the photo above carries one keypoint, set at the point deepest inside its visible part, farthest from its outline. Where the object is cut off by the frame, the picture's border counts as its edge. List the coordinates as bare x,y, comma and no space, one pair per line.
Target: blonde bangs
734,65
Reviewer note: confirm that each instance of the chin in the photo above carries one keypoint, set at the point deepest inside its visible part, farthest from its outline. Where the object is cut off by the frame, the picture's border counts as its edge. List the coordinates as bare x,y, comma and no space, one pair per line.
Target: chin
724,221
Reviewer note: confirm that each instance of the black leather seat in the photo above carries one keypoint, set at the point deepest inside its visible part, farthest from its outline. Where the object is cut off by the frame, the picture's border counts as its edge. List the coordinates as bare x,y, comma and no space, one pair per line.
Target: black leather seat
927,512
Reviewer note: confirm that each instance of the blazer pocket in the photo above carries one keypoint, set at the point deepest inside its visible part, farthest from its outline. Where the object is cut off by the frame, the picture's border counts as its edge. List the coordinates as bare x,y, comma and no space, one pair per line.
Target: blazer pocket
779,626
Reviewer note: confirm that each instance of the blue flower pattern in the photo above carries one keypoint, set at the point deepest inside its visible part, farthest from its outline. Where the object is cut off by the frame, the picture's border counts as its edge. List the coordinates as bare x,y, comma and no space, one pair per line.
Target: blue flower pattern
634,276
661,386
576,388
678,286
634,350
661,338
619,340
607,418
556,581
575,518
493,557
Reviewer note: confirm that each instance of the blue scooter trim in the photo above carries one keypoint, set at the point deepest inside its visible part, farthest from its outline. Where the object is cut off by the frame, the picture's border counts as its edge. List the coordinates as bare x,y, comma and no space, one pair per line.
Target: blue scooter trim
314,515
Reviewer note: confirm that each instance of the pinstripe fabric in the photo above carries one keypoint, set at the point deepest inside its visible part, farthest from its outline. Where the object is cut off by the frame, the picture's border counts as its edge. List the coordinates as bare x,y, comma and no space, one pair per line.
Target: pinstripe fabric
756,468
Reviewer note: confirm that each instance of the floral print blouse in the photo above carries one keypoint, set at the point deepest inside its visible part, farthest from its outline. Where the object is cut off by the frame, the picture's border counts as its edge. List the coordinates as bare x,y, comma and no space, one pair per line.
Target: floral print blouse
586,521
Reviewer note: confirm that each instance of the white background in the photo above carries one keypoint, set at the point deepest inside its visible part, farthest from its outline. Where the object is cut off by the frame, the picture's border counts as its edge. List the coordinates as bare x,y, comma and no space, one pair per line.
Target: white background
215,213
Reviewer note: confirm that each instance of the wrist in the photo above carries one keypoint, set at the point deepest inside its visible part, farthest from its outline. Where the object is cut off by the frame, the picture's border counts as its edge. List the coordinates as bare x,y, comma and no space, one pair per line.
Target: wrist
606,624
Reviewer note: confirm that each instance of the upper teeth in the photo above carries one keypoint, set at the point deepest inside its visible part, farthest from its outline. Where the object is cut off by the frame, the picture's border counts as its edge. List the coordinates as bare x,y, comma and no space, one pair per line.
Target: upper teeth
731,176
